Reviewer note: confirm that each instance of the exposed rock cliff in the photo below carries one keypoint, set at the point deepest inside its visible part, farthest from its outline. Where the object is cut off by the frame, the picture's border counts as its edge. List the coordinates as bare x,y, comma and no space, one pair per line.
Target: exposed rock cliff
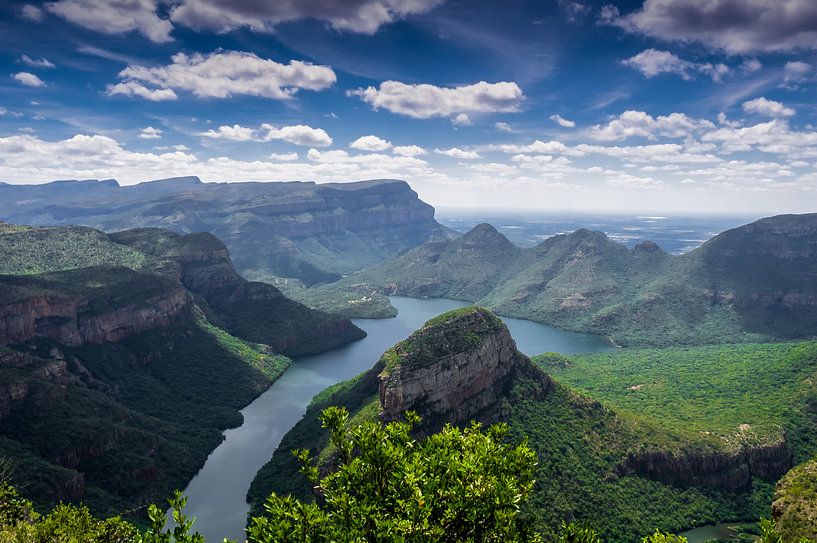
721,469
453,368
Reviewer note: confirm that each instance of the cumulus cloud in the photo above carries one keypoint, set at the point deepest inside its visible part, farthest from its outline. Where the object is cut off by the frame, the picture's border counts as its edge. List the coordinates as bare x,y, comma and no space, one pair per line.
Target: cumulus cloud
283,157
640,124
361,16
743,26
298,134
423,101
409,150
32,13
461,120
537,147
456,152
370,143
795,72
150,133
235,132
28,79
768,108
36,62
561,121
503,127
653,62
132,88
115,17
223,74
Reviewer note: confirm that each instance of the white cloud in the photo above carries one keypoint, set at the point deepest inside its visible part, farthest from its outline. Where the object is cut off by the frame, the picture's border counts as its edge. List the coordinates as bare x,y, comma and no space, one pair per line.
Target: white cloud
409,150
132,88
503,127
561,121
362,16
36,62
150,133
28,79
423,101
461,120
456,152
769,108
652,62
370,143
740,27
235,132
537,147
795,72
115,17
640,124
32,13
283,157
221,75
298,135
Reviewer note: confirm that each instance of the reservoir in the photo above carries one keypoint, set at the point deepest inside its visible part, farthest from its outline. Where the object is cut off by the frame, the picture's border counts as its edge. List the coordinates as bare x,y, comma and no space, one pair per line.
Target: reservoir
217,494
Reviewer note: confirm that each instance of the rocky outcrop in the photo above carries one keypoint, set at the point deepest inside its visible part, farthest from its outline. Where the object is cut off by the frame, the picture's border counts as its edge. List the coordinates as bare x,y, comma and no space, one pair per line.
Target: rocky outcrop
795,503
455,367
68,320
714,468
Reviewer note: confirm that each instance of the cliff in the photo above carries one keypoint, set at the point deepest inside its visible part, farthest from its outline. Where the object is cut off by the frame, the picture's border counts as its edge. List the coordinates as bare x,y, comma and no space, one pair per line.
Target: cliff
302,230
453,368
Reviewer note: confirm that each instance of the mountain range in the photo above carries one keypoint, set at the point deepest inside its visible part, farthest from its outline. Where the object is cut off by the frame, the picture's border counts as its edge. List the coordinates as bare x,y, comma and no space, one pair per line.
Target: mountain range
300,230
752,283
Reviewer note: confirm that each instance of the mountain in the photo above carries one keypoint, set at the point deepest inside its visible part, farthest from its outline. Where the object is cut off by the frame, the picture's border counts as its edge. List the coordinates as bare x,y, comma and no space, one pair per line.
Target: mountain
302,230
795,503
624,472
755,282
117,372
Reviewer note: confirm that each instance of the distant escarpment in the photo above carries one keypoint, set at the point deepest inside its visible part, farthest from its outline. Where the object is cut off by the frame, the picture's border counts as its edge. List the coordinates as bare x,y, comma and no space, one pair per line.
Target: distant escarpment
123,358
464,366
313,233
755,282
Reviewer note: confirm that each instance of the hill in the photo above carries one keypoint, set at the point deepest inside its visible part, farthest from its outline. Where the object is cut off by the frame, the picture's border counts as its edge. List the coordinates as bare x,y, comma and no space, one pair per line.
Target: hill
756,282
313,233
116,380
627,474
795,503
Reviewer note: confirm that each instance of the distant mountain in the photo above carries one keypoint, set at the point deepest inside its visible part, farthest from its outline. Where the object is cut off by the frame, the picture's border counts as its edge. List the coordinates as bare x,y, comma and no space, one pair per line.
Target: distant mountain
302,230
124,357
625,474
755,282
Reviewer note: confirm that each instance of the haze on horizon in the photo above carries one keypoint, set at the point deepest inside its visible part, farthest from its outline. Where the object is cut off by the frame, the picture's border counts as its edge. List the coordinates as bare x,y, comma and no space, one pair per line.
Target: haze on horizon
652,105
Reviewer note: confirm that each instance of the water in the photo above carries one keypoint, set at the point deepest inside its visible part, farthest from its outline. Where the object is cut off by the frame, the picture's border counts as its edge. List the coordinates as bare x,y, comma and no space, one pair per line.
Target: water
217,493
674,234
720,532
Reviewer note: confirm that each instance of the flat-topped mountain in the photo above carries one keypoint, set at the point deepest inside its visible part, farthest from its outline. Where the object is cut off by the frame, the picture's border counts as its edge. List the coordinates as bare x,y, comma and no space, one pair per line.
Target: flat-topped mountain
124,357
621,471
755,282
303,230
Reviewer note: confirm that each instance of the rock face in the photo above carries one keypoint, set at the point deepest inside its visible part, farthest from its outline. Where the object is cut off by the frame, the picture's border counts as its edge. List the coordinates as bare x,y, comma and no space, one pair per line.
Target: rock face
71,321
720,469
453,368
306,231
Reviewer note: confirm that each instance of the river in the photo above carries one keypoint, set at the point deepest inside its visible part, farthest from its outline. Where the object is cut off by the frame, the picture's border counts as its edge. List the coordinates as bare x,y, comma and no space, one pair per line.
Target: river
217,494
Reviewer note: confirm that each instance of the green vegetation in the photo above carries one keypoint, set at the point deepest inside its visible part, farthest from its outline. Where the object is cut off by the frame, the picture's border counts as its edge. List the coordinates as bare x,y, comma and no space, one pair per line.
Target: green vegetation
137,418
28,251
726,394
795,505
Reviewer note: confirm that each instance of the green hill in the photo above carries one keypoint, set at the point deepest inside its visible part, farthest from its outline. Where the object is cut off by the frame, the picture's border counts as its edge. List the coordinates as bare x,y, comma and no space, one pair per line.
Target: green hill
624,471
753,283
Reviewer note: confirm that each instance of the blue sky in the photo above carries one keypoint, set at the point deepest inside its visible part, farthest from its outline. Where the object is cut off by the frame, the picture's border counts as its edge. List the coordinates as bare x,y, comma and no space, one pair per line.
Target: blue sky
665,105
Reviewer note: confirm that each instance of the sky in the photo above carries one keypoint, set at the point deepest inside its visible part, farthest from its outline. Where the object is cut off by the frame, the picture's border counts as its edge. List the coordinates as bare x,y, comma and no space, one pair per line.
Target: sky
693,106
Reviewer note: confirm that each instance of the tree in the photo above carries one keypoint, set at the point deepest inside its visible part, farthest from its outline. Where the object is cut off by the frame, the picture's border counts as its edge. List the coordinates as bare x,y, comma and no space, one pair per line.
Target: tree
463,485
